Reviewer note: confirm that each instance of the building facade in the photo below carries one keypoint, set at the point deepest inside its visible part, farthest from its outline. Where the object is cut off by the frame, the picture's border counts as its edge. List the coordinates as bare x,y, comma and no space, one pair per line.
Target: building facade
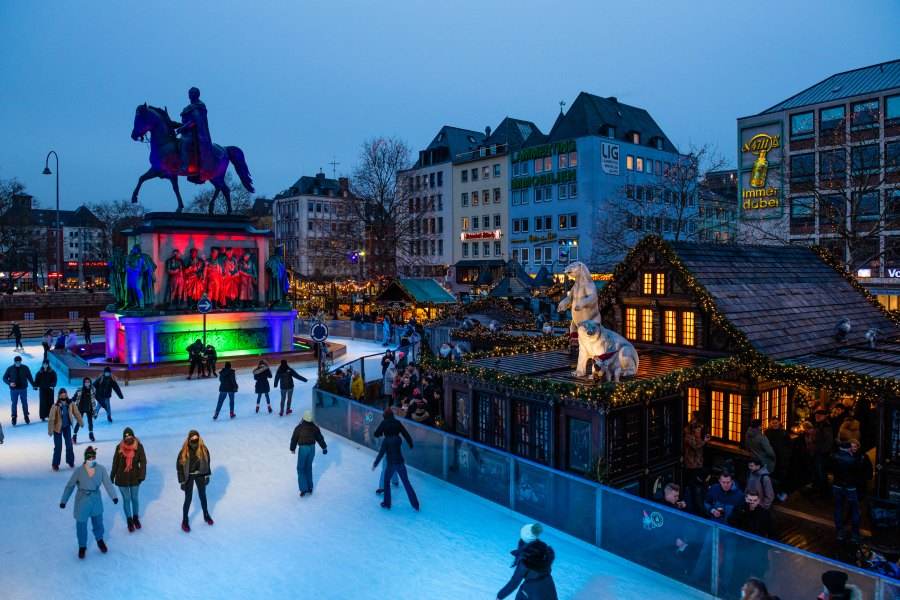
314,227
823,167
481,201
717,207
429,186
588,190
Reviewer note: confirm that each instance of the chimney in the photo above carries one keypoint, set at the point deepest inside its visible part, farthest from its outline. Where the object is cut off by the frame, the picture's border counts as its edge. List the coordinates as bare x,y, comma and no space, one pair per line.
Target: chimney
613,99
487,132
344,183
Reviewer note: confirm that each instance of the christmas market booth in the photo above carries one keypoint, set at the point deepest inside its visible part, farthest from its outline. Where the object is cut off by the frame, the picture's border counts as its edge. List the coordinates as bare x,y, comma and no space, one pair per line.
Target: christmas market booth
421,298
735,332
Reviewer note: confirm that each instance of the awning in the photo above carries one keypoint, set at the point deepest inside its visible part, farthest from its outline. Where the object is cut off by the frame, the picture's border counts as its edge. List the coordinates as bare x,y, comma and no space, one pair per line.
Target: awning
415,291
479,264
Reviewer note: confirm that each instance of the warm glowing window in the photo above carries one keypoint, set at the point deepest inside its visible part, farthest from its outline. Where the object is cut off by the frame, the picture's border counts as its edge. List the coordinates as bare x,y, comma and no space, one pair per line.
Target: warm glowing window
783,407
734,417
646,325
631,323
648,283
687,328
764,406
670,326
716,414
660,284
693,401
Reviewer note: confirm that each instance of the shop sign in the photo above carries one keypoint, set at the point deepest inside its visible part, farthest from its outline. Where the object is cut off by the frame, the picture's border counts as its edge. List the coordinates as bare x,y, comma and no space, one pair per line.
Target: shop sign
542,238
609,158
544,150
760,158
545,179
893,273
480,235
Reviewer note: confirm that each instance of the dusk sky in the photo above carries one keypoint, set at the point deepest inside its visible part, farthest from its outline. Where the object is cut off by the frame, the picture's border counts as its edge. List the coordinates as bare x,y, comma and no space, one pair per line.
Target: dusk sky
295,84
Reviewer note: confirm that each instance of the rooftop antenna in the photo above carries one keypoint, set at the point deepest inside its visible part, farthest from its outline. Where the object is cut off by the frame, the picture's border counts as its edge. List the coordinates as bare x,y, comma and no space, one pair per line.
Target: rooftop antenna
334,165
562,103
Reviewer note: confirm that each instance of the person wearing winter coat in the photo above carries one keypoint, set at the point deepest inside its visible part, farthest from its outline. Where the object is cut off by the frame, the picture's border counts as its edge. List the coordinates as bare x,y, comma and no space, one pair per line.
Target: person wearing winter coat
837,588
418,410
390,426
751,516
227,387
284,378
16,332
759,480
128,471
85,401
847,473
390,375
195,356
357,387
391,450
18,378
758,445
849,429
45,381
86,330
305,437
71,340
533,563
63,415
723,497
104,386
755,589
693,444
782,444
210,356
261,376
193,468
823,445
387,359
386,330
88,504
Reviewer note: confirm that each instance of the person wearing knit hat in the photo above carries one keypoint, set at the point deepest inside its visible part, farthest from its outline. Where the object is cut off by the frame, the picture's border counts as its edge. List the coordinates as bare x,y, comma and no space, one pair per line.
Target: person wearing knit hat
837,588
533,563
306,435
60,419
88,503
128,471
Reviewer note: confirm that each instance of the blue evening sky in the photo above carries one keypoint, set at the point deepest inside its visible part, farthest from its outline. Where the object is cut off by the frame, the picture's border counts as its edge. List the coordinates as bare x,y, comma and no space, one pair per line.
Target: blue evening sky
296,83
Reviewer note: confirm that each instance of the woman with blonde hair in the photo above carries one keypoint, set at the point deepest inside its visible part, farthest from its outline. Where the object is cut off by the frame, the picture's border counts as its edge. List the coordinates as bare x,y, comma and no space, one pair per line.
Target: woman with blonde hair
755,589
193,468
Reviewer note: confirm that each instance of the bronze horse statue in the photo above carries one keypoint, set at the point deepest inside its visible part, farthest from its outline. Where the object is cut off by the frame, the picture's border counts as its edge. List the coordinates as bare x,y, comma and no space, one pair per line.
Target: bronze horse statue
166,160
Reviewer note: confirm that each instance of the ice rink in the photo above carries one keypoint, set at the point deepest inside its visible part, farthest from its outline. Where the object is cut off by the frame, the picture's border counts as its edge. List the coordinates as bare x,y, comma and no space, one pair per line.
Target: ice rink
267,542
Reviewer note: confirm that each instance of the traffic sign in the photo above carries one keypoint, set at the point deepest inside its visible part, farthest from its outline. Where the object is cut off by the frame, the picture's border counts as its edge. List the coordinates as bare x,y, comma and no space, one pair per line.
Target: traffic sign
204,305
319,332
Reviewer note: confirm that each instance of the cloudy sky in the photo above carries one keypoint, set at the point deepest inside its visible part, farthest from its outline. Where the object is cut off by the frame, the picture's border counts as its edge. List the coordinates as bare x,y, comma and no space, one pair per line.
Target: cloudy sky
298,84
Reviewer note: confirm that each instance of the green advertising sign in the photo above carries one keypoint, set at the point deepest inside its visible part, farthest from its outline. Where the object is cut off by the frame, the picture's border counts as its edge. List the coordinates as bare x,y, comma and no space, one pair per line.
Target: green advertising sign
544,179
544,150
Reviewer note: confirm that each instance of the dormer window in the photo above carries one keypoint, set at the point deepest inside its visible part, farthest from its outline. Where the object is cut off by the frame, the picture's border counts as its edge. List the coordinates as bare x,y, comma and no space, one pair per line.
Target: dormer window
658,143
654,284
634,137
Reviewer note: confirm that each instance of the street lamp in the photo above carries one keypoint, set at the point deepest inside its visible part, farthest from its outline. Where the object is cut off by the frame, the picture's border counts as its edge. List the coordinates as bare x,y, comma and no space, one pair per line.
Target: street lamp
59,235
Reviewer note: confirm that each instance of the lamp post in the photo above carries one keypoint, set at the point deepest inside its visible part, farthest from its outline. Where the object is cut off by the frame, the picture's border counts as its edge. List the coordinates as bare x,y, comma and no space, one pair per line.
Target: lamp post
47,171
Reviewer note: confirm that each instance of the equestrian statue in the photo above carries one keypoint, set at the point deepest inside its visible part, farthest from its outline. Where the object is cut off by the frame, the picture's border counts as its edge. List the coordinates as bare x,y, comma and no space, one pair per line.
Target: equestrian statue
192,155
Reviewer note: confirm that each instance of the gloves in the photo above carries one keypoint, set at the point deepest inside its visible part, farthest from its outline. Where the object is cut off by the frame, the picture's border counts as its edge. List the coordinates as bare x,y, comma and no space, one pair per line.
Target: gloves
206,480
182,486
62,504
115,500
324,450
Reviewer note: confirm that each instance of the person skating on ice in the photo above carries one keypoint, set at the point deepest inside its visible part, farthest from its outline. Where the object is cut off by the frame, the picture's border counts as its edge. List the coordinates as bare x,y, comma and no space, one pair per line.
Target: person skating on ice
84,398
104,386
533,561
128,471
18,378
227,387
284,377
45,382
306,435
193,469
390,426
88,504
16,332
391,450
210,356
261,376
62,417
195,355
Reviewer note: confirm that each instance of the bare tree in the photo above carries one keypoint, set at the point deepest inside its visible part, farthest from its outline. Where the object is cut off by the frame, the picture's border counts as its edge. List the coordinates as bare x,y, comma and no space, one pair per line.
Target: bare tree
23,247
380,204
241,200
665,203
114,216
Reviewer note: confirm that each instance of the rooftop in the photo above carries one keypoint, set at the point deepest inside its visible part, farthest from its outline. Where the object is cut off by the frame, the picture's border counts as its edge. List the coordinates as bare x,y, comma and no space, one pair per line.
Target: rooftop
313,186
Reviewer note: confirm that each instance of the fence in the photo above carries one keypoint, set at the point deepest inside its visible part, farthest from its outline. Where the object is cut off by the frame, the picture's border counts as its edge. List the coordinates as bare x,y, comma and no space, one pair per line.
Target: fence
633,528
349,329
369,366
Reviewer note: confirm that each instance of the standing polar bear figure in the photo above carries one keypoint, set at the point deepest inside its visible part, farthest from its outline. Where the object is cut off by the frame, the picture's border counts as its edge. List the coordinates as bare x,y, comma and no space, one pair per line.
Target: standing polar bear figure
582,298
611,353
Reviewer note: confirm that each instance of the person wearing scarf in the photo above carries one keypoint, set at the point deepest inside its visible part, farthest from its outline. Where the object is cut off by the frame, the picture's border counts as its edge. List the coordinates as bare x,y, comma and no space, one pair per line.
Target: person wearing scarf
129,469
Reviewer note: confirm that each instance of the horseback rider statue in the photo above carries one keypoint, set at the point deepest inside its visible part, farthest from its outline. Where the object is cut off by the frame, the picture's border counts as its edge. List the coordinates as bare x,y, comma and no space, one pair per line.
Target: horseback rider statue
196,143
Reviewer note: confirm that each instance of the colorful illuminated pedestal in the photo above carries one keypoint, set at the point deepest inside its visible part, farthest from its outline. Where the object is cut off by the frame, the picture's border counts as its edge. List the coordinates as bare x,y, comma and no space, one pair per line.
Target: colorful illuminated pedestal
134,340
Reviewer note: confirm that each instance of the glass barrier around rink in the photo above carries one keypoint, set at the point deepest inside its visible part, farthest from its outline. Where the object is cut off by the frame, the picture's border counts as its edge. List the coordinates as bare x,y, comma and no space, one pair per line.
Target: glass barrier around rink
557,499
330,412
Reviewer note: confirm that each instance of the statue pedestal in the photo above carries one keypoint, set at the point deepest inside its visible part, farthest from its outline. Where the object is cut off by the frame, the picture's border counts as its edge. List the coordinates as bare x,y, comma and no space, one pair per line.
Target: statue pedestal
154,338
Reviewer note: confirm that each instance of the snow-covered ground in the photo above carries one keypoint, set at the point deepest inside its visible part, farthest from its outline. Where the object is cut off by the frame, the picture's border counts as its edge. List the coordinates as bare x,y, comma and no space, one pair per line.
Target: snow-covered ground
266,542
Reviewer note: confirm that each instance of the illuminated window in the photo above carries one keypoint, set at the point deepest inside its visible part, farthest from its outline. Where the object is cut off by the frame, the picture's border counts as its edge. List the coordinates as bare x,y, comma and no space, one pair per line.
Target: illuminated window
734,417
783,407
716,414
640,164
648,283
671,330
765,407
687,328
631,323
646,325
629,162
693,400
660,284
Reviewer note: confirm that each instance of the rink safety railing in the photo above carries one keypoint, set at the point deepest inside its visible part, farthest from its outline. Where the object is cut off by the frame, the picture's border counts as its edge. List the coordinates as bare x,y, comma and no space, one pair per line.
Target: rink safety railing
717,559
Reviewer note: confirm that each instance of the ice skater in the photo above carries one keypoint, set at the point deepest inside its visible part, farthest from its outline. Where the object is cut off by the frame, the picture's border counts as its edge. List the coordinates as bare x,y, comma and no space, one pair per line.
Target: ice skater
533,561
45,382
88,504
391,450
62,416
128,471
86,330
18,378
193,469
104,386
261,375
195,354
390,426
306,435
227,387
285,377
16,332
84,398
210,356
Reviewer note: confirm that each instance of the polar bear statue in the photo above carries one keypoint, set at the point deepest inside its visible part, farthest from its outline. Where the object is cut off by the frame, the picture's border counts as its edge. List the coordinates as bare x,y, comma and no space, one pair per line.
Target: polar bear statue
582,298
612,353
